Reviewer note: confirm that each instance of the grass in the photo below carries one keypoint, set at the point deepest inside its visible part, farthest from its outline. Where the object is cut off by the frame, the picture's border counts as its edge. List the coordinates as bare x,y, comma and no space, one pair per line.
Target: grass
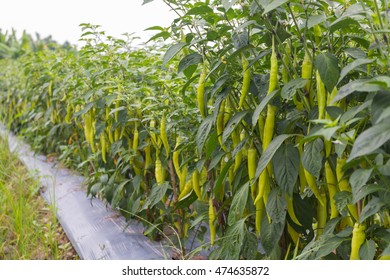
29,229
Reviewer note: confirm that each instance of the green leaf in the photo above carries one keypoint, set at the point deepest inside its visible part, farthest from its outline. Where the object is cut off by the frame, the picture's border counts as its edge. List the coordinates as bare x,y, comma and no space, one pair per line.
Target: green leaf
261,106
232,124
270,234
227,4
312,157
317,249
352,112
321,131
237,207
289,89
371,208
342,199
211,144
147,1
367,250
359,179
273,5
353,65
370,140
380,107
276,206
286,166
191,59
233,241
155,196
363,191
221,178
186,201
315,20
216,159
84,110
118,194
362,85
266,157
327,66
203,132
172,51
200,10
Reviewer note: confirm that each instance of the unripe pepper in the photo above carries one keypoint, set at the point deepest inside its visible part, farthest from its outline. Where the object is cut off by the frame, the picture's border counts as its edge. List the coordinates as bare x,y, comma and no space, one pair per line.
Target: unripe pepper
212,217
331,184
358,238
252,163
159,173
246,81
201,92
344,186
163,134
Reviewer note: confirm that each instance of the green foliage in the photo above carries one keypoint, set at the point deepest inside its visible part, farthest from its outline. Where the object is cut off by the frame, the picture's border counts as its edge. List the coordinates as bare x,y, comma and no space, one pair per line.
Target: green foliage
101,108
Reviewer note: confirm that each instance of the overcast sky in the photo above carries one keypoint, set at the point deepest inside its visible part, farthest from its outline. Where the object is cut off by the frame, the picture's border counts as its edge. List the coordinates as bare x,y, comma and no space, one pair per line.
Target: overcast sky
61,19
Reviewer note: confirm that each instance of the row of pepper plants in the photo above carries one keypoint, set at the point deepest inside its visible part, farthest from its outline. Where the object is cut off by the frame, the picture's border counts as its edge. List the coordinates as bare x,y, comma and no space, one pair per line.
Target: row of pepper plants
258,130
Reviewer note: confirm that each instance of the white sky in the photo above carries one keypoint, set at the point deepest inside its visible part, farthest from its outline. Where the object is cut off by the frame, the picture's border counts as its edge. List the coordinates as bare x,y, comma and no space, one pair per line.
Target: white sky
61,19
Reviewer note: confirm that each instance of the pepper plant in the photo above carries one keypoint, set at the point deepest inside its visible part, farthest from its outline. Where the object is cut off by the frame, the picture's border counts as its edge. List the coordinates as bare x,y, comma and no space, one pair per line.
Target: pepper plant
259,128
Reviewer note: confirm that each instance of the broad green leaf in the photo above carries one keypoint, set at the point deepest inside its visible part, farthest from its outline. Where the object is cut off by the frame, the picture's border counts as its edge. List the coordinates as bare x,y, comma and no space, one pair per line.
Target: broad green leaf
312,157
266,157
261,107
147,1
353,65
200,10
270,234
362,85
327,66
118,194
232,124
203,132
276,206
380,107
304,209
321,131
187,200
191,59
155,195
289,89
342,23
227,4
342,199
370,140
363,191
359,178
249,249
237,207
331,225
216,159
384,169
315,20
233,241
317,249
372,207
286,166
352,112
367,250
164,34
218,186
273,5
172,51
211,144
84,110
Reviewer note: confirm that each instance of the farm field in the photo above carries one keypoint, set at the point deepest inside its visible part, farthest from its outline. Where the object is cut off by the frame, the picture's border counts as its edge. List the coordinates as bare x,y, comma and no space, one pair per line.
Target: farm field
260,127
